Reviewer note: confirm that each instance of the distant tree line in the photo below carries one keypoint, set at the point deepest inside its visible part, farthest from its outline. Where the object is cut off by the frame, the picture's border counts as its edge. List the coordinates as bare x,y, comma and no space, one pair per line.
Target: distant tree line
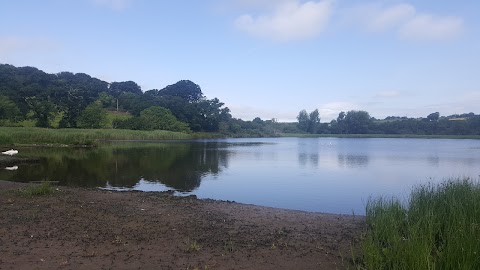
68,100
80,101
360,122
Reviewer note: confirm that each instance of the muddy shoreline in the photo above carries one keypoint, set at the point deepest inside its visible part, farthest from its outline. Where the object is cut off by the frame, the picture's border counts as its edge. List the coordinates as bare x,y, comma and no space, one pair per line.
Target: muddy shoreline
78,228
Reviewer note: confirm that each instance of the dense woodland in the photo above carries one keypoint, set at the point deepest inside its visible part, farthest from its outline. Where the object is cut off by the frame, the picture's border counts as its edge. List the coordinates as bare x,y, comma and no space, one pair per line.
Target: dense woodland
31,97
66,100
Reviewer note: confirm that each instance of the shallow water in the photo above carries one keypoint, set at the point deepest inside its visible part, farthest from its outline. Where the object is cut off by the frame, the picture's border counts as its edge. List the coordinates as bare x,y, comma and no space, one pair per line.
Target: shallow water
335,175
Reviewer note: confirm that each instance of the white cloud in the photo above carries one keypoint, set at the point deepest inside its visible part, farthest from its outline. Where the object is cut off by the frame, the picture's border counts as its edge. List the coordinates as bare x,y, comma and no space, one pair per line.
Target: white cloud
288,20
392,16
117,5
376,18
406,21
430,27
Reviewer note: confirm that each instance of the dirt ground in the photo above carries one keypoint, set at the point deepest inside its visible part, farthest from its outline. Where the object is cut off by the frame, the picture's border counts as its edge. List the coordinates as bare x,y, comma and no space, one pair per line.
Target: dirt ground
96,229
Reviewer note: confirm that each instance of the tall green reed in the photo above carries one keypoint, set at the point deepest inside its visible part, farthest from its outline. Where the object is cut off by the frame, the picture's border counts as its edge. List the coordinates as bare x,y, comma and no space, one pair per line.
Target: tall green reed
438,228
30,135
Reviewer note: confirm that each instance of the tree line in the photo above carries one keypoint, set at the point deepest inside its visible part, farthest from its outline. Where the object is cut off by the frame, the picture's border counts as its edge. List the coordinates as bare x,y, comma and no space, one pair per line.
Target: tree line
68,100
81,101
77,100
360,122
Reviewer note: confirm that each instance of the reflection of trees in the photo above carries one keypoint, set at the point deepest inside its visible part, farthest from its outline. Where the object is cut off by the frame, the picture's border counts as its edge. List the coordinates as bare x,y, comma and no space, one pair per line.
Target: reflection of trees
308,152
66,165
178,165
353,161
311,158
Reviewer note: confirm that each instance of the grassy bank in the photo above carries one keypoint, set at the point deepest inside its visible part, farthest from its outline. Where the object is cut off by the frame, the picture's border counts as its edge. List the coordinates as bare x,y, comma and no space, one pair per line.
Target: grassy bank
31,135
439,228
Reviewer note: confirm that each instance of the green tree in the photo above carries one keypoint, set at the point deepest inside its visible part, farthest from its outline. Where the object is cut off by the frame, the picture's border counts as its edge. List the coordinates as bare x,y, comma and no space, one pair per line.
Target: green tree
159,118
94,116
185,89
309,122
314,122
72,93
43,111
303,120
342,125
107,100
8,109
357,122
433,116
209,114
72,103
117,88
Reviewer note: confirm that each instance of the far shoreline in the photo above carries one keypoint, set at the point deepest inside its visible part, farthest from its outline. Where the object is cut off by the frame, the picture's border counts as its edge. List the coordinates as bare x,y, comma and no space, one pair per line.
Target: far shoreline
45,137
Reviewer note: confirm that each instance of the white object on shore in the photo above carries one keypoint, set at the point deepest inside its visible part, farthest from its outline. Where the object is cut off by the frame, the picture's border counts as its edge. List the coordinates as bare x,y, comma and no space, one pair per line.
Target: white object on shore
13,168
10,152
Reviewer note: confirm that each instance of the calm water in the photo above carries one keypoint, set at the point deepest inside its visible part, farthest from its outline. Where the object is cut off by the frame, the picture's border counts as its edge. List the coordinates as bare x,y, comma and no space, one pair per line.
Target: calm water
314,174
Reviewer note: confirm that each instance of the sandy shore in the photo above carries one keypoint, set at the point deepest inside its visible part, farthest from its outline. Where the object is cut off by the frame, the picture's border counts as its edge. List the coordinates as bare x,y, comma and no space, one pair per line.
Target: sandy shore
95,229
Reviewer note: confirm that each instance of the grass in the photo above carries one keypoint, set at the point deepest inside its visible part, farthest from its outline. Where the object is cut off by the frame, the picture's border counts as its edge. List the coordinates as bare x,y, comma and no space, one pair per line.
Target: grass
438,228
42,189
70,136
32,135
192,245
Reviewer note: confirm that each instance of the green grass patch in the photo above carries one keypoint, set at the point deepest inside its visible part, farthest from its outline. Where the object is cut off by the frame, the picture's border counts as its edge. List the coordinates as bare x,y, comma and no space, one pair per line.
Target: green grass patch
70,136
42,189
438,228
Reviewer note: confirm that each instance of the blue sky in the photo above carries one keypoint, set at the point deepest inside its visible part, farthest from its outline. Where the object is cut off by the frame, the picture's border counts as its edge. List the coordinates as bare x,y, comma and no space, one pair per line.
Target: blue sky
266,58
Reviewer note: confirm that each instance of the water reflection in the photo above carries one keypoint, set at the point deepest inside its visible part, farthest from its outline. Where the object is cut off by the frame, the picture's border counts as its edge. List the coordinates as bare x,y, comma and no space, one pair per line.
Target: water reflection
176,165
313,174
352,161
11,168
308,152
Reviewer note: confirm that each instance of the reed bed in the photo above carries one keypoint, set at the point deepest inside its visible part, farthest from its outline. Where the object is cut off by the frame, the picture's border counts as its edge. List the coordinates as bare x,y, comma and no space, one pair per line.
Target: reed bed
31,135
438,228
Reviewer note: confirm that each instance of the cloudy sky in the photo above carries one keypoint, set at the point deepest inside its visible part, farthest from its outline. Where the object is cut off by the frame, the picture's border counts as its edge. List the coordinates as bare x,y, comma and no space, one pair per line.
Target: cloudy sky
266,58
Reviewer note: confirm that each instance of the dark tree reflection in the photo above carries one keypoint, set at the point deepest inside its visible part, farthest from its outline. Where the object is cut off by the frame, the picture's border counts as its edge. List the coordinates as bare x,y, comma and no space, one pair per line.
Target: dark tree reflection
352,161
180,166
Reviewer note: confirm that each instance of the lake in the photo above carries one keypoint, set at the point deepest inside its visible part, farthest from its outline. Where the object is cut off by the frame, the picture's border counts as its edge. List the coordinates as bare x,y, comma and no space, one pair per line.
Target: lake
333,175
